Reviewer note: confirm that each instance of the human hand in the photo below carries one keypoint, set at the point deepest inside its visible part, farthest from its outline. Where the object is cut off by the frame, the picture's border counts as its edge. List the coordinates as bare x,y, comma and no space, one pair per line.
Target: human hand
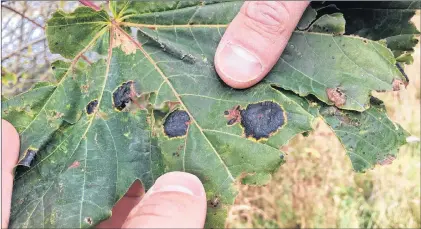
176,200
255,40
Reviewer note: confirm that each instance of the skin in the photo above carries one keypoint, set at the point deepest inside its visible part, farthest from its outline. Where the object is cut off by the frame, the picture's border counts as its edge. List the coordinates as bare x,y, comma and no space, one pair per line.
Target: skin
250,47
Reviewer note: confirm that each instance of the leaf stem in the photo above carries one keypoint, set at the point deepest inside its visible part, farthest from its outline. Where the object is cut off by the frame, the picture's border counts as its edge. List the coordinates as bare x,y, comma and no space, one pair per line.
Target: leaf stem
90,4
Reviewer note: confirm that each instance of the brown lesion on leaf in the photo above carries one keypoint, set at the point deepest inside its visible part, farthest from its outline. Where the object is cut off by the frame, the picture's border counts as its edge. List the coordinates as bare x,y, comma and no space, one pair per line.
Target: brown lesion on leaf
28,157
397,84
74,165
119,39
88,220
84,88
387,160
58,115
233,115
337,96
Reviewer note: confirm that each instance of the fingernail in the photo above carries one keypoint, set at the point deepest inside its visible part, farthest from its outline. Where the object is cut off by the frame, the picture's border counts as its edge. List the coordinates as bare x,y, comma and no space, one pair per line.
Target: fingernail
179,182
238,63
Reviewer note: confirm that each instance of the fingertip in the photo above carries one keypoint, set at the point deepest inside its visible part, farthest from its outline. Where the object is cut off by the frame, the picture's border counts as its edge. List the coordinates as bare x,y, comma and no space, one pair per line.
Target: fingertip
9,157
176,200
186,182
10,146
255,39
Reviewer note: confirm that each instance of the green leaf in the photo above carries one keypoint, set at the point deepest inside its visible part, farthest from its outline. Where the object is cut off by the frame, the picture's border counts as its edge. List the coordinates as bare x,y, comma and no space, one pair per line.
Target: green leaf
308,17
369,138
329,23
152,103
382,20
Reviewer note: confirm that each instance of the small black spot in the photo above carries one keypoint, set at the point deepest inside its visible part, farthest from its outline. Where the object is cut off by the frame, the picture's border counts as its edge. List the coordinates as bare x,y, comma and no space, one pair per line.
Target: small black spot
231,121
262,119
90,108
282,157
176,154
56,43
28,158
176,124
53,67
214,202
122,95
226,112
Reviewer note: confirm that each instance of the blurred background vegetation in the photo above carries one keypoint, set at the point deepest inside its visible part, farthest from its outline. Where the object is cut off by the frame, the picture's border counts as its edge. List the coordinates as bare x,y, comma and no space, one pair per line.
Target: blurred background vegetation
316,188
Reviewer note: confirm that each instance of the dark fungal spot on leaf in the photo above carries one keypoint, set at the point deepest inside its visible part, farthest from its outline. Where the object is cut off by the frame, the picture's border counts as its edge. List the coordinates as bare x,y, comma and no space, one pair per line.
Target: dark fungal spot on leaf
262,119
176,124
122,95
336,96
28,158
90,108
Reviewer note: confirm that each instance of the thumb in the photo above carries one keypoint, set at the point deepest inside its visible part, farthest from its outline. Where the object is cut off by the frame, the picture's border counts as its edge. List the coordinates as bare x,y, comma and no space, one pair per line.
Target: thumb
9,158
176,200
255,39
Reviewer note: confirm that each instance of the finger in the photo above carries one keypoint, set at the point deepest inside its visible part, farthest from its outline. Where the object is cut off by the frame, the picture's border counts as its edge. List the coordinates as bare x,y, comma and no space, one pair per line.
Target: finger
123,207
176,200
255,39
9,157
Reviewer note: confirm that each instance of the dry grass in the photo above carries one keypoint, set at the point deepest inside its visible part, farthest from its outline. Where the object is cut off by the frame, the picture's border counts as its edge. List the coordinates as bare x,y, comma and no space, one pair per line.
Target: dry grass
317,187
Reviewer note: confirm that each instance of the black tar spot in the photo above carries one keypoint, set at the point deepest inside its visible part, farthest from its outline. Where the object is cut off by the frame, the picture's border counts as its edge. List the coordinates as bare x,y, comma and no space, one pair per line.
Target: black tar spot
90,108
176,124
262,119
122,95
29,157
